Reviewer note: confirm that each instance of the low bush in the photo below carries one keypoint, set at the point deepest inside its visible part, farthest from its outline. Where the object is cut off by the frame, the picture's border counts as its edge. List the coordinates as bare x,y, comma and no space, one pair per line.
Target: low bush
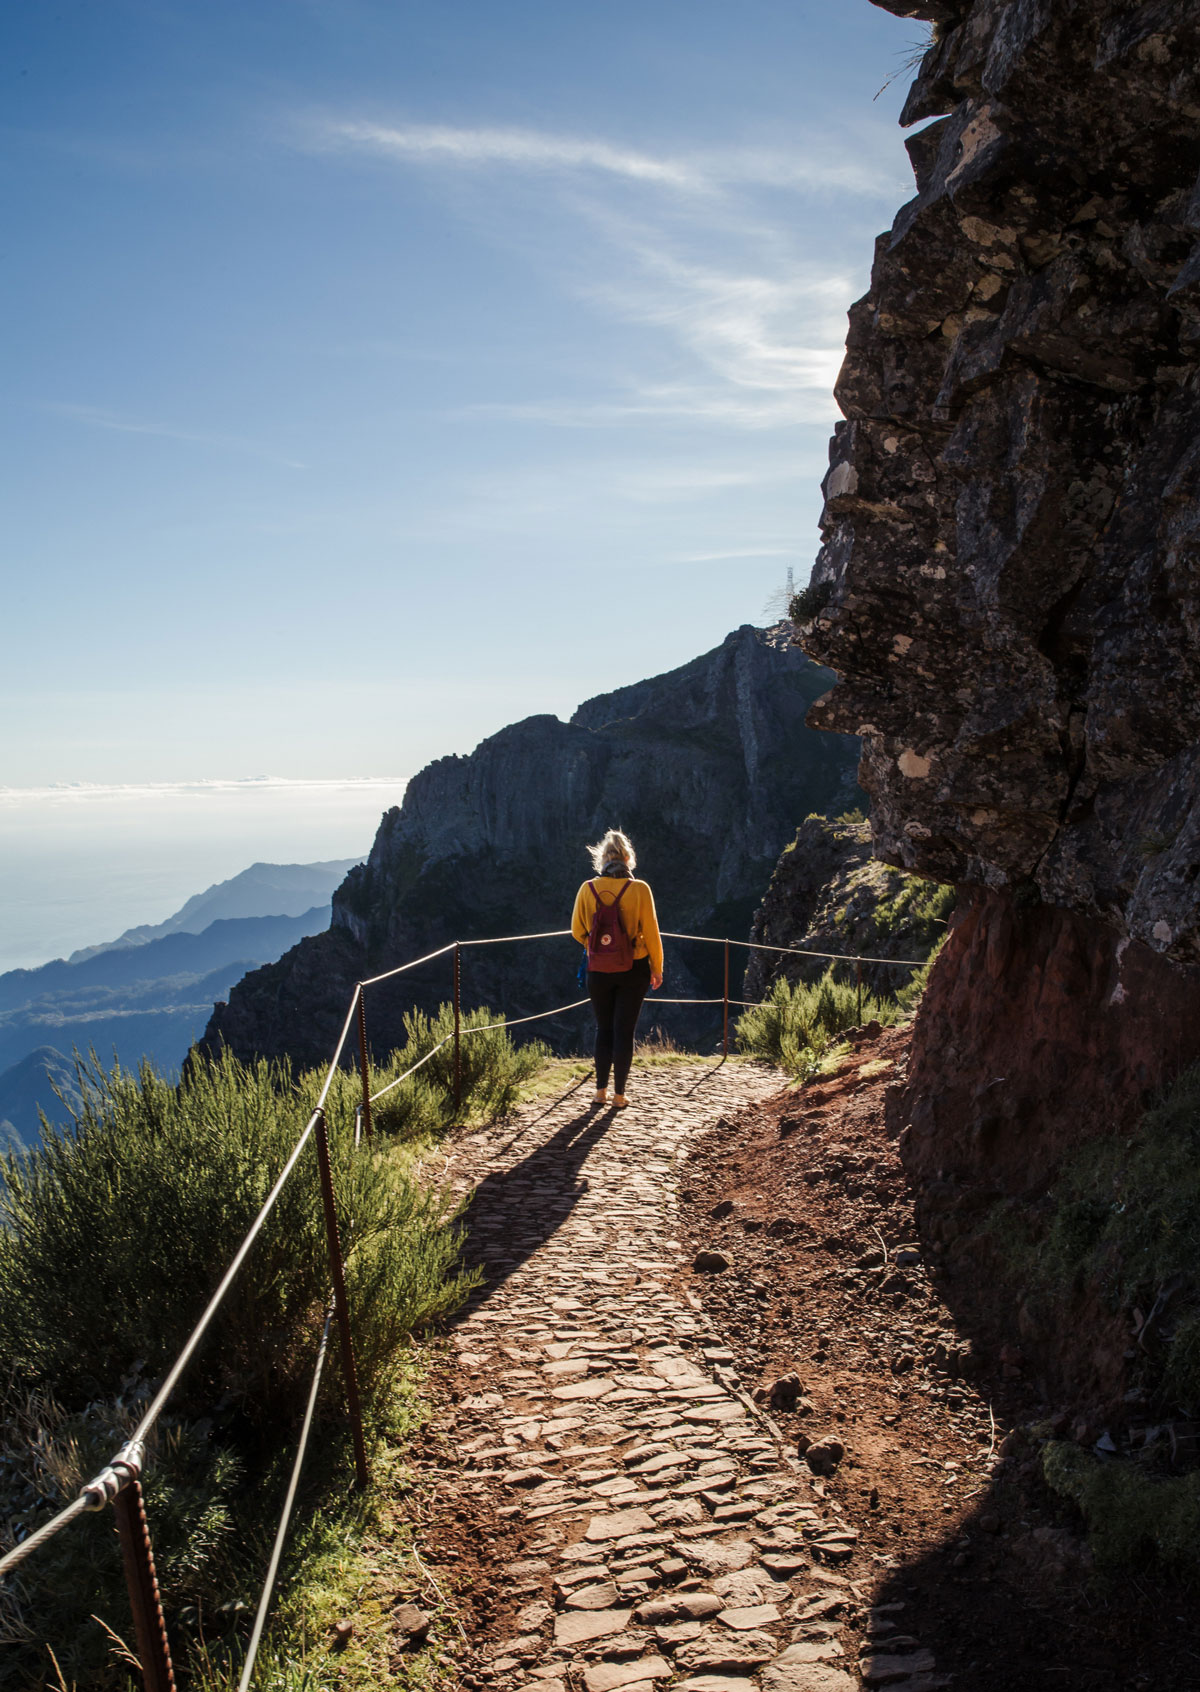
493,1070
797,1021
112,1238
1131,1513
71,1595
908,997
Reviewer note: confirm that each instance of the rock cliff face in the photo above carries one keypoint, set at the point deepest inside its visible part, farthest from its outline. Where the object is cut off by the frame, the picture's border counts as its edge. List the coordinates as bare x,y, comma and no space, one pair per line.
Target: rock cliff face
1008,587
708,768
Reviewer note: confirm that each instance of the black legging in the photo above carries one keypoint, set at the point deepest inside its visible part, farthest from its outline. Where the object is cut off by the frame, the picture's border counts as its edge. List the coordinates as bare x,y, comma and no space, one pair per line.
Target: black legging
617,1000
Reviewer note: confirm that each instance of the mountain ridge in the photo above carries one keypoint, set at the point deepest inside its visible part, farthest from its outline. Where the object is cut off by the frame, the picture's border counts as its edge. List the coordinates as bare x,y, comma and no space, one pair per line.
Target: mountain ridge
709,767
283,890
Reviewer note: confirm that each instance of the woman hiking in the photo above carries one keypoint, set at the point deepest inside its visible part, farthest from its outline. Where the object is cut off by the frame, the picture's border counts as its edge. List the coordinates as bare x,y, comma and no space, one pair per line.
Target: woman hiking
614,918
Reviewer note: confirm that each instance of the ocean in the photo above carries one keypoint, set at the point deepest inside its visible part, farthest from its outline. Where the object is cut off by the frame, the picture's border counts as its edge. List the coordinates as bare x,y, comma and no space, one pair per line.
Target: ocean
80,864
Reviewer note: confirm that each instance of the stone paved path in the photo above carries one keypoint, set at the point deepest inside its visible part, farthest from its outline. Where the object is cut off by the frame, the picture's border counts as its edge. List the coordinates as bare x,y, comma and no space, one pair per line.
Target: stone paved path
673,1540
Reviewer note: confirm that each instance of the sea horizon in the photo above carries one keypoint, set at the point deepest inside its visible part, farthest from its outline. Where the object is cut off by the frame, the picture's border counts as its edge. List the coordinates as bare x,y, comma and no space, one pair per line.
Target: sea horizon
81,862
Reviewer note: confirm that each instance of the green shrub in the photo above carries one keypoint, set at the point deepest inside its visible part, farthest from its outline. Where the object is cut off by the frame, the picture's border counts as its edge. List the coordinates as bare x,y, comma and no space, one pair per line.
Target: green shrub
493,1071
1124,1218
113,1237
111,1241
192,1487
795,1023
1130,1513
908,997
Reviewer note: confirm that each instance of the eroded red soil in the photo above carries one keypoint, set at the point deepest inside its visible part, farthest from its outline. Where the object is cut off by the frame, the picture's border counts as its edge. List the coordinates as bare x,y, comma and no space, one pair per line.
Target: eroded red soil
826,1279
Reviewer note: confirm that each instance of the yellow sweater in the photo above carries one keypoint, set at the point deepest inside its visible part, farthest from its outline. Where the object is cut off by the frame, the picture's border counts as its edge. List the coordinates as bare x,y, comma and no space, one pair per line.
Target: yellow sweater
636,911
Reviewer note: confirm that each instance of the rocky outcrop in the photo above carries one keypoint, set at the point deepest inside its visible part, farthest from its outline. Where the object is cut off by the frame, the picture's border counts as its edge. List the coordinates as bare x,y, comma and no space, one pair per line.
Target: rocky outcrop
830,893
1008,591
1008,586
708,768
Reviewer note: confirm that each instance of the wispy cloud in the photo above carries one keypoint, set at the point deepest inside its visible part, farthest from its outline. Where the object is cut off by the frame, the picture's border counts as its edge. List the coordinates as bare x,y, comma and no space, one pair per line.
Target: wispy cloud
524,148
83,792
97,417
704,170
765,349
703,246
730,554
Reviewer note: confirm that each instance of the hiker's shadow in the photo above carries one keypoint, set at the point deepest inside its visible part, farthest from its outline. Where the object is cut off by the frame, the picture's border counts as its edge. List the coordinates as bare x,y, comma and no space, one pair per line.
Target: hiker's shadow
514,1211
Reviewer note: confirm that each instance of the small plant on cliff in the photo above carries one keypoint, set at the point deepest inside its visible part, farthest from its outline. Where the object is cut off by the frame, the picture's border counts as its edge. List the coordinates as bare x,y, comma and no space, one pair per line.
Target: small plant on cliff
796,1022
1125,1219
808,604
919,910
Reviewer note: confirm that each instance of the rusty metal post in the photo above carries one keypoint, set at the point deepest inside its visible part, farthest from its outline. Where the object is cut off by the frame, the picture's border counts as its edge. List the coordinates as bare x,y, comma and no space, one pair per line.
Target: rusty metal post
364,1062
858,979
137,1554
457,1029
338,1273
725,1027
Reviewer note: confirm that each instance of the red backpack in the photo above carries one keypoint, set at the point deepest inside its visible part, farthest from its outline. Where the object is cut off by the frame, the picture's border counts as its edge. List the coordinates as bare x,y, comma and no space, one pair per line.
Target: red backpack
609,948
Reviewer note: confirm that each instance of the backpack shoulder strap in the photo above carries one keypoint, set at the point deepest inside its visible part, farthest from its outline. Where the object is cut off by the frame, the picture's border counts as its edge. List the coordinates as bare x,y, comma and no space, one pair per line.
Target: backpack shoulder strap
624,889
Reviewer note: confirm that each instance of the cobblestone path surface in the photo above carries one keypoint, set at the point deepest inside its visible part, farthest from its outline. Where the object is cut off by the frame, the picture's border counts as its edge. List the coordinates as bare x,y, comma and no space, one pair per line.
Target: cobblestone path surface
669,1539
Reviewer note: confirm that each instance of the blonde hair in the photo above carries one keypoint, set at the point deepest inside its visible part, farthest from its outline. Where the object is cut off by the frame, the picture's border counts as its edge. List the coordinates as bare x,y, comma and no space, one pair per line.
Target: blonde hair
614,845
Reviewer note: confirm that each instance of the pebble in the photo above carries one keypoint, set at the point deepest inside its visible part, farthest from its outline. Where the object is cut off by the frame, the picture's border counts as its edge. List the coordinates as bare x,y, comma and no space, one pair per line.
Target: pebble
412,1622
876,1670
824,1455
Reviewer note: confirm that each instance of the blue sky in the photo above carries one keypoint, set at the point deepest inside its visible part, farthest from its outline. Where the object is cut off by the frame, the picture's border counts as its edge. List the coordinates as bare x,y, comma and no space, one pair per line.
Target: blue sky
377,374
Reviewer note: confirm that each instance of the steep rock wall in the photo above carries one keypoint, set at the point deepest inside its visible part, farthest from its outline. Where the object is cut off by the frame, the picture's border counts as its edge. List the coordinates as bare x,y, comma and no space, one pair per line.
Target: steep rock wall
1008,587
708,768
1009,592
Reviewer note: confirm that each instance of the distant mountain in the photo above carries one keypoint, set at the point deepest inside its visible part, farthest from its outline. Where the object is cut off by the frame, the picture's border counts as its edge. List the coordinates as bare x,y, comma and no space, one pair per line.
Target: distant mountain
150,993
29,1084
146,1001
182,953
262,890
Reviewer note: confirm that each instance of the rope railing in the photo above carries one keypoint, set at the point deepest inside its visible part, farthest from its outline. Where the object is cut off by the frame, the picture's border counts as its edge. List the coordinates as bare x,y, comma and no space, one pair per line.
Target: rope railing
420,1064
264,1602
119,1482
799,951
516,1021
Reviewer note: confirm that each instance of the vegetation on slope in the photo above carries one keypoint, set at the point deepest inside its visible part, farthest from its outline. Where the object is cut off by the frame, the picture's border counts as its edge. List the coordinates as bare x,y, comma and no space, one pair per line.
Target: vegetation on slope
796,1026
112,1238
829,894
1119,1230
